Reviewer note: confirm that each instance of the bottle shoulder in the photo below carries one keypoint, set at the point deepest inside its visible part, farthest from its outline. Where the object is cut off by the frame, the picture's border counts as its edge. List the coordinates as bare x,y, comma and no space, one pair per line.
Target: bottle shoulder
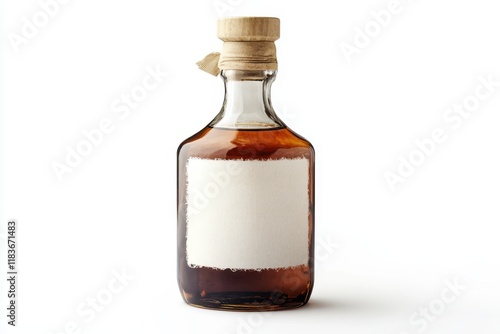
246,144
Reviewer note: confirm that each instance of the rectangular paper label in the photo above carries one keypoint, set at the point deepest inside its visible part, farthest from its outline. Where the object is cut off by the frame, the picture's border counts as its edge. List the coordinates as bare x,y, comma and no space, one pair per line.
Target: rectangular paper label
247,215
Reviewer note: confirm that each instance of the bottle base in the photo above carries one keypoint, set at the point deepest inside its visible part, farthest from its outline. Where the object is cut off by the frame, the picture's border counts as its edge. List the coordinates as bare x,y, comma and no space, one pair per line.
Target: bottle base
246,301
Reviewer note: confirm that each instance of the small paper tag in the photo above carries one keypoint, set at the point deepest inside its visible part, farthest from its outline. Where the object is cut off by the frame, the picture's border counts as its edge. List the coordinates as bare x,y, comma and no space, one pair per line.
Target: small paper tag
210,63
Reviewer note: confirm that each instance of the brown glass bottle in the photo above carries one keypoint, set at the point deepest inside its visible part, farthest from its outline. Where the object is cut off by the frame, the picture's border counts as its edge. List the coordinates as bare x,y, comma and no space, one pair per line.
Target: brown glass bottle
246,129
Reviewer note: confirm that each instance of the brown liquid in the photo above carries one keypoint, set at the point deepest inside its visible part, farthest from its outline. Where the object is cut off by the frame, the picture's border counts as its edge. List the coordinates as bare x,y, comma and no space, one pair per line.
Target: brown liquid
250,289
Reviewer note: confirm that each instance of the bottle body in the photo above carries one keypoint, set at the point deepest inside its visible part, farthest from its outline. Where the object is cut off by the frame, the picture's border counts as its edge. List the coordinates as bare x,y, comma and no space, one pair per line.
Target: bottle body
246,206
245,289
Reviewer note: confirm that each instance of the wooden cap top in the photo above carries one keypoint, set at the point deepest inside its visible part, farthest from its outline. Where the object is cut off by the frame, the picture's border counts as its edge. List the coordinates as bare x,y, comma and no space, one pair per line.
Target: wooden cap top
248,29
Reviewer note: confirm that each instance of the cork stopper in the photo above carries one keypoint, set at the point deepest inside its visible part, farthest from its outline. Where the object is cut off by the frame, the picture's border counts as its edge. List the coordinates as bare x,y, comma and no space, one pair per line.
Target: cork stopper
248,43
248,29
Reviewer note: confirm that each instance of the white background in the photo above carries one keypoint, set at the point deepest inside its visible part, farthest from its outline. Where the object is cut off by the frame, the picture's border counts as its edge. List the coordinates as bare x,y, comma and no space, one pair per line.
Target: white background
384,254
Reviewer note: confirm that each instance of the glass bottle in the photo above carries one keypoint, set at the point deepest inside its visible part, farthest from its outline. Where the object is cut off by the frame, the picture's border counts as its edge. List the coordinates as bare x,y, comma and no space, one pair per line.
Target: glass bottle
246,204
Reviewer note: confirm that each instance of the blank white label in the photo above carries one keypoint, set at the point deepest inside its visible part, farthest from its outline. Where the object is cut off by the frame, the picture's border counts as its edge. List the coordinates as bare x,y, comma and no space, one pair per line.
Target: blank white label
247,215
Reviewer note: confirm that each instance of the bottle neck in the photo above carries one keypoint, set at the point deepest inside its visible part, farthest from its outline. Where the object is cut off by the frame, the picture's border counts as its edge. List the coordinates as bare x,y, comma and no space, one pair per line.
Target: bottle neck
247,101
